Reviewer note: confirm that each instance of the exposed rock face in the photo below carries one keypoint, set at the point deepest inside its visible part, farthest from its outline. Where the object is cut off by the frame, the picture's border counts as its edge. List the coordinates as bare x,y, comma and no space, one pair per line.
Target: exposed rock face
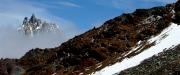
177,10
10,67
34,26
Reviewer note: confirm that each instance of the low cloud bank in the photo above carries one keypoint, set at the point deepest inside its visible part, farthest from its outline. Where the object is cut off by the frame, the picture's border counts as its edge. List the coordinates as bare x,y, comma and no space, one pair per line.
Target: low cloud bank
14,44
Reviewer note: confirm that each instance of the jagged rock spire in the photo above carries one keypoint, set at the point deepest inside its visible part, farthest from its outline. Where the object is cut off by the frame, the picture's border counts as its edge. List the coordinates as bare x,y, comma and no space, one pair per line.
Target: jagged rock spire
33,18
25,20
34,26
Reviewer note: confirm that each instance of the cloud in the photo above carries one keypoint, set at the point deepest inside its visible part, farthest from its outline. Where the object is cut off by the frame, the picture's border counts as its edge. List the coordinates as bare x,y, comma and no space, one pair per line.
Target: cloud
12,13
69,4
13,44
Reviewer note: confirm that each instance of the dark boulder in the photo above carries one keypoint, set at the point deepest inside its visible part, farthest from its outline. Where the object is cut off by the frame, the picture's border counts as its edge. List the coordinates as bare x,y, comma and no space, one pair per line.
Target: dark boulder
177,12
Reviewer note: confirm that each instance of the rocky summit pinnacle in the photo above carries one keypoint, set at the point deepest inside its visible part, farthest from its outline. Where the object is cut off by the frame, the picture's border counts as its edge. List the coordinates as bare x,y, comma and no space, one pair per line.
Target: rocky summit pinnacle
35,26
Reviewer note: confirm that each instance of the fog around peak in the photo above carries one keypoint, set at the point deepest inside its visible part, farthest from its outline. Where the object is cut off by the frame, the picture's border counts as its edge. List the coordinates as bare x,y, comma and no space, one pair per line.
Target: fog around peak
13,44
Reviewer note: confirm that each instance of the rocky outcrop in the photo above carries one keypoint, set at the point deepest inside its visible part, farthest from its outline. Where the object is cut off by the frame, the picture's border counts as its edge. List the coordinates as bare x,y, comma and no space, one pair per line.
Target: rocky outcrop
10,67
35,26
177,12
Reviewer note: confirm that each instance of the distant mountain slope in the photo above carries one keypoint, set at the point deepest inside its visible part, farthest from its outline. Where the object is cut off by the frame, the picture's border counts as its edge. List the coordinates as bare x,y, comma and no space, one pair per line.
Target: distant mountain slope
96,48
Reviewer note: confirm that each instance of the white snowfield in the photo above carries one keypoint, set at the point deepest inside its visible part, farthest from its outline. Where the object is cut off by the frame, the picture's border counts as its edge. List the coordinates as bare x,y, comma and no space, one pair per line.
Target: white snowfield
168,38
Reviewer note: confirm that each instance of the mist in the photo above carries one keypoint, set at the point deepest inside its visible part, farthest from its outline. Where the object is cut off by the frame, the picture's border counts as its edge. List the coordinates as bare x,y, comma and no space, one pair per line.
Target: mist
14,44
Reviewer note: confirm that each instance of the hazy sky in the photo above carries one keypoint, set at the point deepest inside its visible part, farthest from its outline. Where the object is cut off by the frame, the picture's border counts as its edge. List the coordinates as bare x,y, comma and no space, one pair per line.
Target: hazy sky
72,16
79,15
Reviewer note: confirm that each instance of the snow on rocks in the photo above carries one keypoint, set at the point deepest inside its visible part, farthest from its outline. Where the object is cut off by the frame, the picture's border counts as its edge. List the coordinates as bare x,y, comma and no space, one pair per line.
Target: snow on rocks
168,38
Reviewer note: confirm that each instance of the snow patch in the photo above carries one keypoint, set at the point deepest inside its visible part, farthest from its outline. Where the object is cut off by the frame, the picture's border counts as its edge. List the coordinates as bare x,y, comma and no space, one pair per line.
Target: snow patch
81,73
170,40
54,74
138,45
